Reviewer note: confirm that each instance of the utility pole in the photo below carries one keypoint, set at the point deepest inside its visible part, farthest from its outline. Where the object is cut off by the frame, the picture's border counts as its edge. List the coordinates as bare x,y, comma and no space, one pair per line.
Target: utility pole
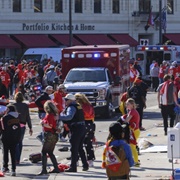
160,22
70,23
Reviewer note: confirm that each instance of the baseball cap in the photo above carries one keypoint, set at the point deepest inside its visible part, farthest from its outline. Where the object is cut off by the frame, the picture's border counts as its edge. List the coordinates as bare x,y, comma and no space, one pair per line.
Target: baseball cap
70,97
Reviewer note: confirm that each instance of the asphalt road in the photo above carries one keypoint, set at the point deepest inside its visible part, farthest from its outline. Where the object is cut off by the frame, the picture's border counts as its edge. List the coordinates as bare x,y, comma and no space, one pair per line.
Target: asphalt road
32,145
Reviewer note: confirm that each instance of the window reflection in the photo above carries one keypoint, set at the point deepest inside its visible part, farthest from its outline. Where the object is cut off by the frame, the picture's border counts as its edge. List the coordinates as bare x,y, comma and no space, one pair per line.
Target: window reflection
78,6
37,5
115,6
16,5
97,6
170,6
59,6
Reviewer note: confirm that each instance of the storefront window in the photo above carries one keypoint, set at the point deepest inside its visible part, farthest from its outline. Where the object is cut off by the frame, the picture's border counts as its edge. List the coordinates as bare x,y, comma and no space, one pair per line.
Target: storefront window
97,6
170,6
78,6
59,6
144,6
16,5
115,7
38,6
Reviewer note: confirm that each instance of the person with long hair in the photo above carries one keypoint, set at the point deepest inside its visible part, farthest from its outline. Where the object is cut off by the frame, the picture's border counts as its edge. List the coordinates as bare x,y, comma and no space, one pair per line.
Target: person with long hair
133,119
24,117
49,124
89,115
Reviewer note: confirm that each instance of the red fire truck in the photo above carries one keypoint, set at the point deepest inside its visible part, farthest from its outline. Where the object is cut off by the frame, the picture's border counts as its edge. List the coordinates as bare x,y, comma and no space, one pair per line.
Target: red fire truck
101,72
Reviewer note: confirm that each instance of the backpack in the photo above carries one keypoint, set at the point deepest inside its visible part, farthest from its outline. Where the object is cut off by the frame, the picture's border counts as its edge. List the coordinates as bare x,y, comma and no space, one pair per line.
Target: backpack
15,78
116,163
12,130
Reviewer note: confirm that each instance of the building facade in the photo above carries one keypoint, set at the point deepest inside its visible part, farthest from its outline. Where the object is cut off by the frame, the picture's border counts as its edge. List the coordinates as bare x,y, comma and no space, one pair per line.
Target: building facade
45,23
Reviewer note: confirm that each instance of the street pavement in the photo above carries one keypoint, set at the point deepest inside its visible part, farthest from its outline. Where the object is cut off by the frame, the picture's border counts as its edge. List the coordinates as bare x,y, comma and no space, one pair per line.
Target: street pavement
154,166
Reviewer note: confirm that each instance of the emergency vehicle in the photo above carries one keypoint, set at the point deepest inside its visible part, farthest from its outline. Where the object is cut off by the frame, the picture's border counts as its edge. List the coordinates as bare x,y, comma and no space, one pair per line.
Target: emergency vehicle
101,72
146,54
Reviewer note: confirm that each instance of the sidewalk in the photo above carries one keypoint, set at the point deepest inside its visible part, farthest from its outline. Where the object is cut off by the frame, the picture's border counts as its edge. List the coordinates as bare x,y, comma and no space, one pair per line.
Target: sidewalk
153,165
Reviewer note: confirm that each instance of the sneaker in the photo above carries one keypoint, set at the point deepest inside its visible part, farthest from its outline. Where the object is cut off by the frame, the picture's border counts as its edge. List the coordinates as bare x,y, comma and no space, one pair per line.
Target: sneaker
5,170
137,164
91,163
13,173
62,139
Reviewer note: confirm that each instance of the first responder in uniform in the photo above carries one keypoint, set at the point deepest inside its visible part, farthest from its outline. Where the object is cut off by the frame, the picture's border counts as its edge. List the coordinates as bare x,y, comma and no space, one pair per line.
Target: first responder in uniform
74,117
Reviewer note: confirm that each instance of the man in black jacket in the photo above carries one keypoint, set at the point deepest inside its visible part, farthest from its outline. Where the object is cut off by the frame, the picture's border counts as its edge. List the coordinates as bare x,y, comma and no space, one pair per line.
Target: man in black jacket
74,117
11,133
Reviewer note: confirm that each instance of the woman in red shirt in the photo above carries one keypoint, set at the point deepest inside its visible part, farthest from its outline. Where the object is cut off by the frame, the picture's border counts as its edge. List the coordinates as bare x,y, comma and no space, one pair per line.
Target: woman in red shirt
133,119
50,137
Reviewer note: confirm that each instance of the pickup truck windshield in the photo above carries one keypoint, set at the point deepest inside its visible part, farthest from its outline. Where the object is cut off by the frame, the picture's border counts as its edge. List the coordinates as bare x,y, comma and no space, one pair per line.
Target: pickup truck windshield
86,76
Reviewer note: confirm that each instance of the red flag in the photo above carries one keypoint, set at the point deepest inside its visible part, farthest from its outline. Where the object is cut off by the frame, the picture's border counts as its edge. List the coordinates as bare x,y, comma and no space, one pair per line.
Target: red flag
150,19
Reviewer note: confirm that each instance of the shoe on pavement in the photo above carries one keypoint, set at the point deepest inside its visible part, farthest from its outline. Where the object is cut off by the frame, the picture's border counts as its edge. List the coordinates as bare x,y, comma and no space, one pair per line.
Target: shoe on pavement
54,171
137,164
5,170
70,170
142,129
85,168
13,173
42,173
91,163
63,149
68,158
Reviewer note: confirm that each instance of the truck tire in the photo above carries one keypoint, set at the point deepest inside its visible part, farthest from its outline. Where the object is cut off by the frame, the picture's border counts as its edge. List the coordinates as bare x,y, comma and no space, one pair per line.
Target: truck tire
108,112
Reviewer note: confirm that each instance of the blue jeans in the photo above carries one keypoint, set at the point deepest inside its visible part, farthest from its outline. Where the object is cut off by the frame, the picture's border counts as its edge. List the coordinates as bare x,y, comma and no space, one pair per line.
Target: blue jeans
19,146
40,137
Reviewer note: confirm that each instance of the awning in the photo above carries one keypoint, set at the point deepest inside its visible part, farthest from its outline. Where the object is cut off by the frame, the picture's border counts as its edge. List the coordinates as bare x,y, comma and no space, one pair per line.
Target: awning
175,38
7,42
95,39
35,40
64,39
124,39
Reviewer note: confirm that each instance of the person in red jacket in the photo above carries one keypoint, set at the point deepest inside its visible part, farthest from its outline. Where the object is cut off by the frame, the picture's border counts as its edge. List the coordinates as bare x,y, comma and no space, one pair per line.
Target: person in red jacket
5,77
60,104
89,116
59,97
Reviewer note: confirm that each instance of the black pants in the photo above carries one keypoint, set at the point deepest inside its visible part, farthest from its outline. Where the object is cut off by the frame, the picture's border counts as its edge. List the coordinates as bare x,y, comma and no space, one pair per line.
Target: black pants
90,130
168,111
78,132
6,148
155,83
140,108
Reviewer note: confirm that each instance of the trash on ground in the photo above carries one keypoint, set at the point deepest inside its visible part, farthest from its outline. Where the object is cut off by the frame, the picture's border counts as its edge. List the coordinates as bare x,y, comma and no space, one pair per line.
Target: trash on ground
155,149
144,144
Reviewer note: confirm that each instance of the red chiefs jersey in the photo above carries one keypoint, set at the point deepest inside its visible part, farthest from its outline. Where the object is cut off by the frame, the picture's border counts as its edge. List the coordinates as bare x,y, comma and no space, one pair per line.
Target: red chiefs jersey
5,78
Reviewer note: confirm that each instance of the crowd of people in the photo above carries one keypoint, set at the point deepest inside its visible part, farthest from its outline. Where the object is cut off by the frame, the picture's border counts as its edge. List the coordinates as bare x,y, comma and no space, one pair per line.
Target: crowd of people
75,112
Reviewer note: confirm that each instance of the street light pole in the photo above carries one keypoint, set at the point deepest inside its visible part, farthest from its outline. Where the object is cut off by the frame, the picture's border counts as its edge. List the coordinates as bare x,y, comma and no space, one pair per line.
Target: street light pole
160,22
70,23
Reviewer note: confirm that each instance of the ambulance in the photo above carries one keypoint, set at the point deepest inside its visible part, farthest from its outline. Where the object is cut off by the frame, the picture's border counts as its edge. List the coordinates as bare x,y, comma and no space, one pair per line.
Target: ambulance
101,72
146,54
